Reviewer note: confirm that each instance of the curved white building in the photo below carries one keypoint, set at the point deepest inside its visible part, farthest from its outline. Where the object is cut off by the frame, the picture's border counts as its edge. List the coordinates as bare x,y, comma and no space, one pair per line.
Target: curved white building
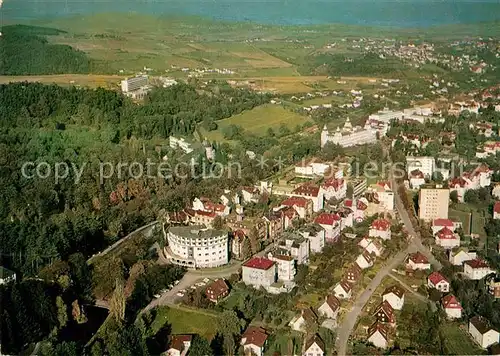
197,246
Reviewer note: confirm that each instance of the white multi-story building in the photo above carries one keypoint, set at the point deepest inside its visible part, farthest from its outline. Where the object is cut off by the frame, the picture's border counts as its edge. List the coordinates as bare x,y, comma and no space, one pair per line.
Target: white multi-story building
316,239
383,193
426,165
259,272
477,269
386,116
311,169
296,246
353,136
285,266
132,84
334,188
482,333
197,247
180,143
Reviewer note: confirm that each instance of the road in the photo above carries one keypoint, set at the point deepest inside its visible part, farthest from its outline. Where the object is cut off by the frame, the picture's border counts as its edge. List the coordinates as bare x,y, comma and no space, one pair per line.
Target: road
146,229
349,321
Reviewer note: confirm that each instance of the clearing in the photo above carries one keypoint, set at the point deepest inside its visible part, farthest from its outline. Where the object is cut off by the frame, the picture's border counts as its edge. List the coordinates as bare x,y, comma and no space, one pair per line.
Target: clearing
457,342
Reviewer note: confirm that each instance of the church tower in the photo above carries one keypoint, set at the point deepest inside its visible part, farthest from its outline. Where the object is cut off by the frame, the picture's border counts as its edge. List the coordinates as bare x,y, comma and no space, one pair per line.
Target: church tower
324,136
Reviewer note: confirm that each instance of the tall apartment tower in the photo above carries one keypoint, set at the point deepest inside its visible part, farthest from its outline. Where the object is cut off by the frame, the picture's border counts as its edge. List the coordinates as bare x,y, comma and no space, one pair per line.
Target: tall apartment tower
433,203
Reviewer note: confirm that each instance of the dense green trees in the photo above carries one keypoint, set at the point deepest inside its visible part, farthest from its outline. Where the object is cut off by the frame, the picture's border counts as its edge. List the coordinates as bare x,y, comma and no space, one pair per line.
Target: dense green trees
24,50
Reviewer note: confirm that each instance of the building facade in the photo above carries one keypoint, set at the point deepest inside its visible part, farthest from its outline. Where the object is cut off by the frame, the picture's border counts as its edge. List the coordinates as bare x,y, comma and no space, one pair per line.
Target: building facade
433,203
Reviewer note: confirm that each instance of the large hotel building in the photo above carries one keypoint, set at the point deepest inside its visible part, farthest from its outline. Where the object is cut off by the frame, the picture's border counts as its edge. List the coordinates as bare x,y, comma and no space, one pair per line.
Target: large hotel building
197,247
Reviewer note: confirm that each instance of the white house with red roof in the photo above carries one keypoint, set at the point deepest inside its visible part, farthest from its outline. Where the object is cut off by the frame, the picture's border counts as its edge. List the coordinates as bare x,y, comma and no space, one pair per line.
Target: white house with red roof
496,210
458,258
312,192
331,224
372,246
358,207
380,228
477,269
496,191
439,224
179,345
198,217
259,272
479,177
437,281
365,260
416,178
287,214
418,261
489,148
250,194
303,206
205,204
452,307
447,239
334,188
253,340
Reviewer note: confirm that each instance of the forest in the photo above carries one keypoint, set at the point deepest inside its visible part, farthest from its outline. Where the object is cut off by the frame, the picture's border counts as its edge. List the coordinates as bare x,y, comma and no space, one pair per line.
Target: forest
25,50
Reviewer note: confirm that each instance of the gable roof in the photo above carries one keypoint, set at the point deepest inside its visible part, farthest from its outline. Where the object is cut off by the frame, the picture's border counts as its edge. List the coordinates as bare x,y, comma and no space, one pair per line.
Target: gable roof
217,288
334,183
381,224
378,326
354,271
309,190
397,290
386,308
332,302
436,277
477,263
446,234
315,339
327,219
496,207
345,285
177,341
481,324
255,336
418,257
450,301
442,222
296,201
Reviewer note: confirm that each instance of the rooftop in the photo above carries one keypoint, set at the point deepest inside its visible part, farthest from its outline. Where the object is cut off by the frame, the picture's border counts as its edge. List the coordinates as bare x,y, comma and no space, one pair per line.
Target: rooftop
196,232
259,263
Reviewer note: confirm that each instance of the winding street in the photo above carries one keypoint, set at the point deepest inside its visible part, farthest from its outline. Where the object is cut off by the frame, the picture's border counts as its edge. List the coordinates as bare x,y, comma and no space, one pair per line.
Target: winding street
349,322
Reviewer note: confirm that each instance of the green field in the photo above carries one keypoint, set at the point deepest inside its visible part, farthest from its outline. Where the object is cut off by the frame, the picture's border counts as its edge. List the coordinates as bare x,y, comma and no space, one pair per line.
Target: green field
185,321
257,121
457,341
462,213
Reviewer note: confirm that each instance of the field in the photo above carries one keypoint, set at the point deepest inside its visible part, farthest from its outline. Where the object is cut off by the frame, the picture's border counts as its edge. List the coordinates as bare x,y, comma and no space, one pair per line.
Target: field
92,81
462,213
185,321
457,342
257,121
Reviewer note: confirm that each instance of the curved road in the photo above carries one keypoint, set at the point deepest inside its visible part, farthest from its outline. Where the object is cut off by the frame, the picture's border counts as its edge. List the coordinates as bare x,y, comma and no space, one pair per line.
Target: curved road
349,321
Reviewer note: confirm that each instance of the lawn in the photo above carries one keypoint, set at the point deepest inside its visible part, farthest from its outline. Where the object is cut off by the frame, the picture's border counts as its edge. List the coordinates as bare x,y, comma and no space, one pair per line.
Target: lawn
257,121
462,213
186,321
457,342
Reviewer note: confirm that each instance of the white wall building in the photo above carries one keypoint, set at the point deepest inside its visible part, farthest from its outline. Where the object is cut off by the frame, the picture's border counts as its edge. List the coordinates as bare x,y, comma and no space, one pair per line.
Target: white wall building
351,136
424,164
197,246
180,143
482,333
477,269
285,266
259,272
135,83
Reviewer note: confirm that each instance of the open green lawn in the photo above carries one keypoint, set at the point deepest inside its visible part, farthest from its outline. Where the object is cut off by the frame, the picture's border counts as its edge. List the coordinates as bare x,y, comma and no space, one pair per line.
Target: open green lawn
258,120
186,321
457,341
462,213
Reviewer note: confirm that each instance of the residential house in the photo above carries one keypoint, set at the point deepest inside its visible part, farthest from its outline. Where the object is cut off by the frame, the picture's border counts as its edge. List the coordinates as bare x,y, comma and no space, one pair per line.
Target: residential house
365,260
201,217
237,245
179,345
496,210
494,286
482,333
288,215
217,290
306,316
250,195
343,290
426,165
479,177
437,281
477,269
372,246
314,346
303,206
334,188
331,224
452,307
439,224
459,257
316,236
395,296
383,194
380,228
416,179
330,307
311,192
418,261
295,245
6,275
447,239
274,223
259,272
353,274
285,266
385,313
378,335
496,189
248,225
358,207
254,340
205,204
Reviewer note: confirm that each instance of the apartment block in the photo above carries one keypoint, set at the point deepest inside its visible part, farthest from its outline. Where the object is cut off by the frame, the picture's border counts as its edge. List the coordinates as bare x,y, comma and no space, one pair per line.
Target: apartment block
433,203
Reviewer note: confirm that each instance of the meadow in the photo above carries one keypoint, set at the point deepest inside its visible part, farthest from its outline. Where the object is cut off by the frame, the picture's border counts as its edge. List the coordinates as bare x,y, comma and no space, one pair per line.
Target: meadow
257,121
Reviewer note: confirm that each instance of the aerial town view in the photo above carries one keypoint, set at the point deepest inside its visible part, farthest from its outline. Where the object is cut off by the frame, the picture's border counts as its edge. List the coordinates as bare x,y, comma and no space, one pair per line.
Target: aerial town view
286,177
